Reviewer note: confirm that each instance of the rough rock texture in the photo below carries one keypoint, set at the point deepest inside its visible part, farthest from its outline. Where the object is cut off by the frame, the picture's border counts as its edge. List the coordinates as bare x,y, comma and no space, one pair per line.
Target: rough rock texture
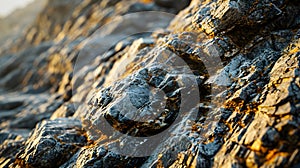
52,143
212,83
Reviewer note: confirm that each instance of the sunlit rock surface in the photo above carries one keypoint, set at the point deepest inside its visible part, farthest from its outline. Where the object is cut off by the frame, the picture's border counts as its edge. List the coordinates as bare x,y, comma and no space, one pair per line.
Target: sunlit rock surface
110,83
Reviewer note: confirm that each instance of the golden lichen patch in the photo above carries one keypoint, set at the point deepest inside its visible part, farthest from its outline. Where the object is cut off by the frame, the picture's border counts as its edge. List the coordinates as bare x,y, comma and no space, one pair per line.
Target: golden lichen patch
59,64
181,157
274,155
159,161
234,103
250,161
146,1
294,50
21,163
185,160
256,146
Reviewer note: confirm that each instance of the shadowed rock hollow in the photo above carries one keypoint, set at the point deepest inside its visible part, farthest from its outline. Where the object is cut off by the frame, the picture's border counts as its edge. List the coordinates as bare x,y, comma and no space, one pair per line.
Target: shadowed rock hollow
110,83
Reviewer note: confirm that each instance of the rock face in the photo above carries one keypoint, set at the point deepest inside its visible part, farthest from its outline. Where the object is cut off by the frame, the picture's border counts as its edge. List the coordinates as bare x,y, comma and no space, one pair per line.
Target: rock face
111,83
52,143
12,26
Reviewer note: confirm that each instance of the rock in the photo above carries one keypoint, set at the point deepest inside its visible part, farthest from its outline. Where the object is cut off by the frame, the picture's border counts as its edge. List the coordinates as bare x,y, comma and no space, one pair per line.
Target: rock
10,105
12,27
178,5
100,157
51,143
36,108
216,85
64,111
11,143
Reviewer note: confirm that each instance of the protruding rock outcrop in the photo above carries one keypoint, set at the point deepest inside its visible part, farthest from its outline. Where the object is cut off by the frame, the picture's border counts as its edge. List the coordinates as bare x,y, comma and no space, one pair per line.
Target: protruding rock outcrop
107,83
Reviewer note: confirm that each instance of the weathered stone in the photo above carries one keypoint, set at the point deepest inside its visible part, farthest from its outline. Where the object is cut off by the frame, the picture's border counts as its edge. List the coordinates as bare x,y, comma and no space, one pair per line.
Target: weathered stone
169,3
64,111
51,143
218,87
10,105
11,143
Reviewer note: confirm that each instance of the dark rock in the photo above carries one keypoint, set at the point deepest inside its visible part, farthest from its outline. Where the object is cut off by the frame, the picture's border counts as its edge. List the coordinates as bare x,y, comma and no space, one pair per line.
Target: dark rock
100,157
218,87
10,105
64,111
271,137
210,149
181,4
51,143
11,143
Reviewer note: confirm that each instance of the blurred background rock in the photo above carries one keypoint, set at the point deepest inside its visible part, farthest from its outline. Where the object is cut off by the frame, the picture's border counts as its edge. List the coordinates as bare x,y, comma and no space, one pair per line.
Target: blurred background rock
17,18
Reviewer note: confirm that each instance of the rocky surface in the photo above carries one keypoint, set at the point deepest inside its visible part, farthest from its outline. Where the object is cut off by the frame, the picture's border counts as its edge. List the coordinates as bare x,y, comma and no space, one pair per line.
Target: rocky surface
12,26
107,83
